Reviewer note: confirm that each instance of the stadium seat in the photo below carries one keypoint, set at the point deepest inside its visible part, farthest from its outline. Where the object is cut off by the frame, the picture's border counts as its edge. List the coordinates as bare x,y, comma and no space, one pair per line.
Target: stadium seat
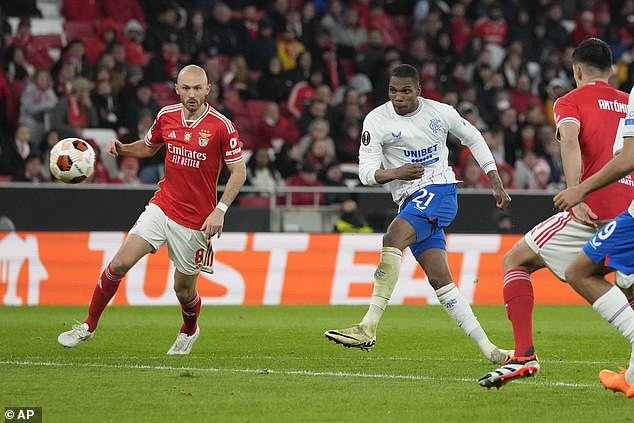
163,93
256,109
41,26
253,201
236,106
78,30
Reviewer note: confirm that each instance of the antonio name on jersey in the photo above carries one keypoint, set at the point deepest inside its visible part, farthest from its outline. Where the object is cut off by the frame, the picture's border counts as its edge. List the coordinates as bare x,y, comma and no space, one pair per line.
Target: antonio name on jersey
184,156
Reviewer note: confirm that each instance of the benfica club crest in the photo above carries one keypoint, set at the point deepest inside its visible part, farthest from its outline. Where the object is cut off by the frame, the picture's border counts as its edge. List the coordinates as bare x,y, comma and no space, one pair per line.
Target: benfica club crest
203,138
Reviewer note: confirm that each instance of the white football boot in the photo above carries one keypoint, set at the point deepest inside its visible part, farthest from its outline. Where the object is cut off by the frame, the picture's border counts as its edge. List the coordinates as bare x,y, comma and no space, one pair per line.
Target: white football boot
77,334
354,337
183,344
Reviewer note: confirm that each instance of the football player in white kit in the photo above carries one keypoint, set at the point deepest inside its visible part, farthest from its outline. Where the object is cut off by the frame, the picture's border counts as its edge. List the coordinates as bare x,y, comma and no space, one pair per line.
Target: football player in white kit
404,145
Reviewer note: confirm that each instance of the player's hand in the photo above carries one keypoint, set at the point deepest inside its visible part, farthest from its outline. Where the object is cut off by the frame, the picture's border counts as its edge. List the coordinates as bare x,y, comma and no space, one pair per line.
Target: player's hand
568,198
213,224
410,172
584,213
502,199
113,148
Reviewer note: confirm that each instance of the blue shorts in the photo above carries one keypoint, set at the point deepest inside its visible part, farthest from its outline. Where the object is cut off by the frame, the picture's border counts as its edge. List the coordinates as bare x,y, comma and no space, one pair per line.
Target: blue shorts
429,210
614,243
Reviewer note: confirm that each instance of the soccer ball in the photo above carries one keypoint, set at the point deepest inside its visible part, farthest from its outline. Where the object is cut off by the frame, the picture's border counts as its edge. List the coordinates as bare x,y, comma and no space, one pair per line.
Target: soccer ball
72,160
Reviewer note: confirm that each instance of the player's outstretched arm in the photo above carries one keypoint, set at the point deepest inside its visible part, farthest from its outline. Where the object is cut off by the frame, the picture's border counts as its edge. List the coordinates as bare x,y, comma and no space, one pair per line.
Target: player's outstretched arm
215,221
139,149
615,169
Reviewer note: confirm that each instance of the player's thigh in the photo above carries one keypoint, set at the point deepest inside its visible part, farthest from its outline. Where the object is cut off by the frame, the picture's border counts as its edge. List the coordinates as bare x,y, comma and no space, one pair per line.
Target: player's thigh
520,255
186,248
436,267
557,241
613,245
399,234
146,236
152,226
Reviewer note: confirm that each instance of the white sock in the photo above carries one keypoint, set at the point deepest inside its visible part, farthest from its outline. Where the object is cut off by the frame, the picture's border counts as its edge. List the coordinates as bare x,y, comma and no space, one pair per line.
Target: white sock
614,307
460,311
385,279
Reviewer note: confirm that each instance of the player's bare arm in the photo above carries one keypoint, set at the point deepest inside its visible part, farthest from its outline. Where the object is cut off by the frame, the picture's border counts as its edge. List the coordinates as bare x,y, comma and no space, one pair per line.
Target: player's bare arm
502,199
139,149
620,166
215,221
407,172
571,160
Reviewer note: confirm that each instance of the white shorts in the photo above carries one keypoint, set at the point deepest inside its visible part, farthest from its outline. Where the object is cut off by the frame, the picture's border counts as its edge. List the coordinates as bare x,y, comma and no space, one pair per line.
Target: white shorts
187,248
558,240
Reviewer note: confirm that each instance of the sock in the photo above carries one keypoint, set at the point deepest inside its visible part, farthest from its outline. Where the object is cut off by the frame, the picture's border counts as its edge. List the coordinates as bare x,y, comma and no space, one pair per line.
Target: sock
519,302
614,307
631,301
190,312
460,311
385,278
101,296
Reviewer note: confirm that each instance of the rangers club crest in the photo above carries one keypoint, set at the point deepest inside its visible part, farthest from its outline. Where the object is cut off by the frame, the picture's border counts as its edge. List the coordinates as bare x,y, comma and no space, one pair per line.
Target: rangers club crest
365,138
203,138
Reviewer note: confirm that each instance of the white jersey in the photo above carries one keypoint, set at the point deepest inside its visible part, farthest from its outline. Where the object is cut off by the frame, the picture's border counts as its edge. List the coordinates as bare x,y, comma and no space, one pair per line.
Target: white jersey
390,140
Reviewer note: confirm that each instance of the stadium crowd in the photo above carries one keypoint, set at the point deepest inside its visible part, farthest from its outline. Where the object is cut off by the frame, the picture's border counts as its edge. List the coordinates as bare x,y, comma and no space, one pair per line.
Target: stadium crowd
298,77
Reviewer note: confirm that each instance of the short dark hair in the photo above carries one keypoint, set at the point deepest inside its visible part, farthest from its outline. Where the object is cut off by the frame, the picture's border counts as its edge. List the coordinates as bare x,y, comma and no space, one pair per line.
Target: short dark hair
406,71
593,52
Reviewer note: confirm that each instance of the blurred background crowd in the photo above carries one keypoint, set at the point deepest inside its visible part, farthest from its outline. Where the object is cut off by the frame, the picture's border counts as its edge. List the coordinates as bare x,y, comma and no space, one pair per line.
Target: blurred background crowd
296,77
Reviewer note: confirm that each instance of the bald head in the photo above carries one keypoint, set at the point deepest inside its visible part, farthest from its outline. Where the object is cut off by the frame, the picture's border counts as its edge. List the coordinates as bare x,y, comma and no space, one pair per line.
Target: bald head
192,71
192,87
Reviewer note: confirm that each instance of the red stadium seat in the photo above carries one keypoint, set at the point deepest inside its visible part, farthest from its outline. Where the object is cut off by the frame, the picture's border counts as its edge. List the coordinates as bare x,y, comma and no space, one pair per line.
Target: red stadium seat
256,109
48,40
251,201
78,29
163,93
236,106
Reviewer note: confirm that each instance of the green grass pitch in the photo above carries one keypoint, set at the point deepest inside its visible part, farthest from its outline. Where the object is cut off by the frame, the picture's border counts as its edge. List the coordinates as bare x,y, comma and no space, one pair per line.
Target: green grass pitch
272,364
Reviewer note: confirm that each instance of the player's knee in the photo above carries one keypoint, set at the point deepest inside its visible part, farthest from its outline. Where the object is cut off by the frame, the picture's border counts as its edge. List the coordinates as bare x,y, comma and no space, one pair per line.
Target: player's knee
120,265
390,240
509,261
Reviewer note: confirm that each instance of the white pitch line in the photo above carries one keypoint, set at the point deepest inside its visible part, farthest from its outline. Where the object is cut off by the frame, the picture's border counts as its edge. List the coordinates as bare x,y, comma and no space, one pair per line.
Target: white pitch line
363,357
278,372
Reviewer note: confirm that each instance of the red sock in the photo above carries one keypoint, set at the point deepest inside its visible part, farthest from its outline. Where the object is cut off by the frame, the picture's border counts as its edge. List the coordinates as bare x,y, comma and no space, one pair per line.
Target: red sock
631,301
190,312
519,301
101,296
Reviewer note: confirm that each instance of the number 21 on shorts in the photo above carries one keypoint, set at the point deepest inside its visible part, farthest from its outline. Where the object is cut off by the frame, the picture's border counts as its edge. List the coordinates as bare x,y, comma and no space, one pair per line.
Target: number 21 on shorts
422,201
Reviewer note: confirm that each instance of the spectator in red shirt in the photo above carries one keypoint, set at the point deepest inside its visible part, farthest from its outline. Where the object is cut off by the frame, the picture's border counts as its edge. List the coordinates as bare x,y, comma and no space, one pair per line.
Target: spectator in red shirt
81,10
133,40
461,28
105,36
307,177
585,28
302,93
522,95
492,28
36,53
122,11
273,129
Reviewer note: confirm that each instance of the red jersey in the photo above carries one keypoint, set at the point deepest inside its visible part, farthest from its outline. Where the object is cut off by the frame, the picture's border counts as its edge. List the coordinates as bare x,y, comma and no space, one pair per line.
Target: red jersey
597,109
195,152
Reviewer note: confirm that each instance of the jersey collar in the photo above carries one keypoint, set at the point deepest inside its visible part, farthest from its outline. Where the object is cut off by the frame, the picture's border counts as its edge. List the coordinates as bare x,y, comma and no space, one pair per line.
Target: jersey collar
190,124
